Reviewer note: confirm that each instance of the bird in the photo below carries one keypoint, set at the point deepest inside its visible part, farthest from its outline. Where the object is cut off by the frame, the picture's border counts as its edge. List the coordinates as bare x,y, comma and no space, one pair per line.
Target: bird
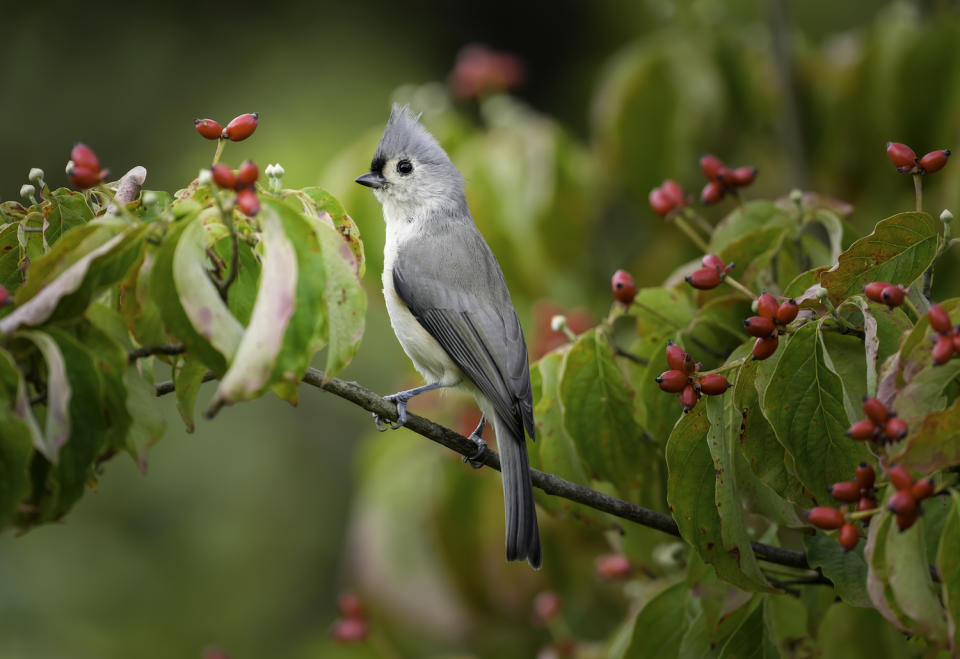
451,311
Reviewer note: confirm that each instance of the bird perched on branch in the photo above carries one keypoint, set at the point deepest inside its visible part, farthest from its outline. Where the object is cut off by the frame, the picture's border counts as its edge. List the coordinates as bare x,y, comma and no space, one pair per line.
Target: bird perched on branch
450,308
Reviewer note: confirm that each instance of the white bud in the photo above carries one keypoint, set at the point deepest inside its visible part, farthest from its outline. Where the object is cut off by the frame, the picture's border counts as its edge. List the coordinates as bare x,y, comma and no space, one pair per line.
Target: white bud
36,176
27,191
269,171
755,306
69,169
558,323
946,216
821,292
204,177
150,198
278,170
796,196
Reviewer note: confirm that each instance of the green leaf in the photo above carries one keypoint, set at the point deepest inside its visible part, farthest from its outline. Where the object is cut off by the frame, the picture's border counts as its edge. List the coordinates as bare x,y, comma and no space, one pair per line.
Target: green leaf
751,216
16,449
935,444
659,627
249,373
915,354
140,309
752,253
898,251
187,378
845,355
948,566
804,404
598,414
846,569
691,492
927,391
785,621
67,209
111,360
56,429
324,203
149,423
848,632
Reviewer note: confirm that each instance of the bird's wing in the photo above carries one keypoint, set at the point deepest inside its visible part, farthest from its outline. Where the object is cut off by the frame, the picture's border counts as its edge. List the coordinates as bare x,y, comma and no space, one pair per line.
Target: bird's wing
460,297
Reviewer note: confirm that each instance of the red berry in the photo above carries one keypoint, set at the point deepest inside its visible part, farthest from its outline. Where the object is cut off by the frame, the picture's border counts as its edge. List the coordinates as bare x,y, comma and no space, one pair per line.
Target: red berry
674,192
874,290
906,520
689,397
865,429
899,477
350,606
943,350
705,278
725,177
934,161
711,166
902,502
248,173
892,296
660,202
876,410
546,606
677,357
896,429
848,536
713,261
241,127
825,517
247,202
4,296
866,503
956,343
712,193
224,177
848,491
902,156
865,476
759,326
84,177
765,347
939,318
349,630
613,566
208,128
787,312
923,489
673,381
83,156
624,288
713,384
741,176
767,306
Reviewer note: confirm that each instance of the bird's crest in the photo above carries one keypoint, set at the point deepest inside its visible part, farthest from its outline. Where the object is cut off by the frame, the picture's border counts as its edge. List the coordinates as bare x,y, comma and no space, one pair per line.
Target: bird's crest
404,135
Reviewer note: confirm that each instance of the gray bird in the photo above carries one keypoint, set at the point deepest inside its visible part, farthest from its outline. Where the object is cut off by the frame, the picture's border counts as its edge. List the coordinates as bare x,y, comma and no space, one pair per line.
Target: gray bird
450,308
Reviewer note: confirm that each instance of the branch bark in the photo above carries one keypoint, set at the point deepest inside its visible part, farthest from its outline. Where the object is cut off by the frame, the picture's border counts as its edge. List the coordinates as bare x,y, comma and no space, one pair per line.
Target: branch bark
549,483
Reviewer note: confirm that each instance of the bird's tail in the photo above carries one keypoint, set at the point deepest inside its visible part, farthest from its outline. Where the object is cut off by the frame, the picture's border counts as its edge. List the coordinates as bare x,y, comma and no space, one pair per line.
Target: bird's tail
523,535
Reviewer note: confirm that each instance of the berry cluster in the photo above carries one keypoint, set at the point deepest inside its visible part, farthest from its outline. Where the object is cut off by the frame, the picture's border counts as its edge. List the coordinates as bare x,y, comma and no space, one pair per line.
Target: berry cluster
906,161
881,425
624,288
891,295
84,167
771,317
947,337
722,180
237,130
859,490
905,502
711,274
667,198
242,181
682,378
352,625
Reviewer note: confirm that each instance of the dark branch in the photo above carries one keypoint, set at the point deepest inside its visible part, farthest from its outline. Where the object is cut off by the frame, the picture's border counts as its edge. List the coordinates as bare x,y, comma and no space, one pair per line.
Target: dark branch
620,352
147,351
224,286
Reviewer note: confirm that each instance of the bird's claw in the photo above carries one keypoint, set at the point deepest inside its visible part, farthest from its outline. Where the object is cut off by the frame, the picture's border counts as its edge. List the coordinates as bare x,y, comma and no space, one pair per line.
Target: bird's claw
377,420
401,410
475,460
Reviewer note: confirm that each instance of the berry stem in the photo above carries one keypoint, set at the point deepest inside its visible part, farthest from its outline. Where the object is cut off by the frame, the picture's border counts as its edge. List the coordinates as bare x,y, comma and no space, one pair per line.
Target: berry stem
696,217
219,151
863,514
691,234
740,287
727,367
918,191
843,322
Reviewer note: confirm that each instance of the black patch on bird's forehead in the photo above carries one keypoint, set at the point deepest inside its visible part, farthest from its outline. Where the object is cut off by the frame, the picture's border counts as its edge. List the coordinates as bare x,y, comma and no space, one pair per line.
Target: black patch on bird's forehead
376,165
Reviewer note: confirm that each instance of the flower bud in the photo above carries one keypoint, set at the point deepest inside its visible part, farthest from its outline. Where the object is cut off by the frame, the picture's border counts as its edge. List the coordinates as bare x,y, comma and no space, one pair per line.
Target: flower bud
820,292
36,176
946,216
558,323
204,177
27,192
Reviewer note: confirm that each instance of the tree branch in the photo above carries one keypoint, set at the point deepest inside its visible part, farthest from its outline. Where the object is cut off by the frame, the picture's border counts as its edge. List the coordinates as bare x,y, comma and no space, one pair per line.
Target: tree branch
147,351
549,483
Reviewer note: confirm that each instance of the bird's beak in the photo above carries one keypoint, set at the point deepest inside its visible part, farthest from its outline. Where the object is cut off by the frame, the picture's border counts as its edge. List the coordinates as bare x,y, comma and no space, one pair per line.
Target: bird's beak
371,180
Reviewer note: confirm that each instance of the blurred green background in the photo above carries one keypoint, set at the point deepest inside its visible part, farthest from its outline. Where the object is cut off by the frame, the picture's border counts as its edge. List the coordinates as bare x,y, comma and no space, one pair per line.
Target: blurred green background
242,534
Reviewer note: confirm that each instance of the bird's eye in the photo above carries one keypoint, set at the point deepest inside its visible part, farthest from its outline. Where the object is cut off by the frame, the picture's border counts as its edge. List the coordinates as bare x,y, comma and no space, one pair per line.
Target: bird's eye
404,167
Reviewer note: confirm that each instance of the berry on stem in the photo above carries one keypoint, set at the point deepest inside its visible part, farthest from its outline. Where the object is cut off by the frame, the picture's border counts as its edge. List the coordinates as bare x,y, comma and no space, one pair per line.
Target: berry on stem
874,290
893,296
865,476
83,156
767,306
741,176
677,357
787,312
660,202
689,397
712,193
248,173
865,429
673,381
825,517
224,177
624,288
247,202
896,429
713,384
906,520
209,128
711,166
923,489
759,326
943,350
876,410
848,537
899,477
933,161
902,157
705,278
241,127
848,491
939,318
764,348
902,502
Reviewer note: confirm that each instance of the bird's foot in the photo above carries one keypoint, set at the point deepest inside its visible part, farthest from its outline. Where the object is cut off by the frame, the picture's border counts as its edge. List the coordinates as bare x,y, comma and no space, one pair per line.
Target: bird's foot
400,399
476,437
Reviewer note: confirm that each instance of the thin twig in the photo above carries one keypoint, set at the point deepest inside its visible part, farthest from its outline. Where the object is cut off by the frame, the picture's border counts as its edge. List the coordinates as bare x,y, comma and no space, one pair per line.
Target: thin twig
148,351
234,263
620,352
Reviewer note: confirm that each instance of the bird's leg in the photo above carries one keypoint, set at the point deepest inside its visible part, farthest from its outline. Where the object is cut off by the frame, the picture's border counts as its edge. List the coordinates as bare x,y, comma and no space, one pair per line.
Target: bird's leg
401,398
477,438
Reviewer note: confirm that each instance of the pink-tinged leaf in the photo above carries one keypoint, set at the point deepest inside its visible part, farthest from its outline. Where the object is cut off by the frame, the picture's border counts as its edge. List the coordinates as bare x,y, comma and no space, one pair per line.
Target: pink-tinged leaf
57,428
948,564
253,363
935,444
